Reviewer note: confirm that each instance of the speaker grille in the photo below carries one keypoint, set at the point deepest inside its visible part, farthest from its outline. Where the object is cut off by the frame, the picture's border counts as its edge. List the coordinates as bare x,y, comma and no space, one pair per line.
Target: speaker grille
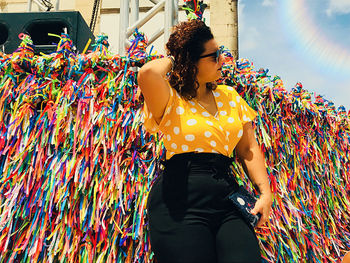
4,33
39,31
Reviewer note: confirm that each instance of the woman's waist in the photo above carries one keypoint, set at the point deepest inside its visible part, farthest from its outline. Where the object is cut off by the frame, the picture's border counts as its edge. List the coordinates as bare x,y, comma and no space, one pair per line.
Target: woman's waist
199,160
182,166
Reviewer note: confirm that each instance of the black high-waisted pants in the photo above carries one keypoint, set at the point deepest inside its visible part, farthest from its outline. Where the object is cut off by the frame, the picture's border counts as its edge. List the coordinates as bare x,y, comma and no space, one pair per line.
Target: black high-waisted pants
190,219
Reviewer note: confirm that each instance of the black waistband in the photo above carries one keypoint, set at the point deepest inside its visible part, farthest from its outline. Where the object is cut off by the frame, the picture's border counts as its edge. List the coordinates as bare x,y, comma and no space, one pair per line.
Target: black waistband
201,158
218,164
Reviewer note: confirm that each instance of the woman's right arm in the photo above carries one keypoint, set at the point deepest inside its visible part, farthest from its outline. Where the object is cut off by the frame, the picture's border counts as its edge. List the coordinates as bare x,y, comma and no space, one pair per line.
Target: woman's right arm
154,87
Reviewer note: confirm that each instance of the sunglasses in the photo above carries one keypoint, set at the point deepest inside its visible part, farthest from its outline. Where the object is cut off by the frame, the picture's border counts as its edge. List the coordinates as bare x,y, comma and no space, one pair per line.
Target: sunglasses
215,55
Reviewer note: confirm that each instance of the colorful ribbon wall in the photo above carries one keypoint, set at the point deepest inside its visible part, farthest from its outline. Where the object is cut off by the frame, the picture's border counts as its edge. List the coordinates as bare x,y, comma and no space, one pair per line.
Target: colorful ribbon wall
306,143
75,161
76,164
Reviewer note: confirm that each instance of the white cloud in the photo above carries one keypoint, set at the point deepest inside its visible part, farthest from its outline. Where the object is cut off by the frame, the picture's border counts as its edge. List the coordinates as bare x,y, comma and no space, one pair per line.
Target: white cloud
338,7
268,2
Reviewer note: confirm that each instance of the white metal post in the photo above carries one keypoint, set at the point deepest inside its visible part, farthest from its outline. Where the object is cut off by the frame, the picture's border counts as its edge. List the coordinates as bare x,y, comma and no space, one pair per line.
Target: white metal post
168,19
157,34
123,25
134,11
29,6
57,7
125,31
151,13
175,12
155,1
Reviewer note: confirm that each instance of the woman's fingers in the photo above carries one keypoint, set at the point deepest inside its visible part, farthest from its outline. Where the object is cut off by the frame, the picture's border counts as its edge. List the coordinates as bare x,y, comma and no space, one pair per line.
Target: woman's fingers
262,206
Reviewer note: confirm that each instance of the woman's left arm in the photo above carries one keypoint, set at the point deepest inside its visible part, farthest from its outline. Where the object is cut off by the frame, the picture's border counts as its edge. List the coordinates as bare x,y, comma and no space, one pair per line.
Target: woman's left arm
249,153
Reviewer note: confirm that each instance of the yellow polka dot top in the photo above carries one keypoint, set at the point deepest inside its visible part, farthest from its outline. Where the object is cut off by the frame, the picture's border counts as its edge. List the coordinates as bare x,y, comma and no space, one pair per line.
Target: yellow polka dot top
188,127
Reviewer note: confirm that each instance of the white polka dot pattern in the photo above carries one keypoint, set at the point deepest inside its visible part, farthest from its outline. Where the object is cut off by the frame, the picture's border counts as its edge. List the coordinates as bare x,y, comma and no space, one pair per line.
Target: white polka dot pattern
205,114
232,103
207,134
191,122
180,110
187,126
230,120
245,118
167,124
168,110
189,137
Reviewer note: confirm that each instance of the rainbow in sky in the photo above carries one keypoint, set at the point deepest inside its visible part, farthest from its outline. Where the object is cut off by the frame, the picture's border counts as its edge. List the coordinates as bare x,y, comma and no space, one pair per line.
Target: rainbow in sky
308,37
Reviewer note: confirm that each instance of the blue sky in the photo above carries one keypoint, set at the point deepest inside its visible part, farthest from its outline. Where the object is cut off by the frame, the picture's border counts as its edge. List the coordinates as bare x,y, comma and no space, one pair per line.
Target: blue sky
269,39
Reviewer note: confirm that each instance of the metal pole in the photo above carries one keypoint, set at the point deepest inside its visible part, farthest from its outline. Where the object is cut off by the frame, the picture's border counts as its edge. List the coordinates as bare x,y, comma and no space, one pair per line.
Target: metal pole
29,6
134,11
40,5
123,24
151,13
176,12
57,5
157,34
168,19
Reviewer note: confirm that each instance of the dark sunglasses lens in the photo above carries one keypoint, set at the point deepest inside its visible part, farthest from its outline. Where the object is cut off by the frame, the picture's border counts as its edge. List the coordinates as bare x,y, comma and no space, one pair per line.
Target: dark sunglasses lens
217,55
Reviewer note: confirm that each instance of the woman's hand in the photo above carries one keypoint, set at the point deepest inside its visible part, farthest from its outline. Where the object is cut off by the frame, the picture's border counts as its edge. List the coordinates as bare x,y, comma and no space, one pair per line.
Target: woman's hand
263,206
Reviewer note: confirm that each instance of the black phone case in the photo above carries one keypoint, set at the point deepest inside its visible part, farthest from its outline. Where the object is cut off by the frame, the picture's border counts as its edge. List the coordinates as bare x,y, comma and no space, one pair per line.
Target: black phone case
244,202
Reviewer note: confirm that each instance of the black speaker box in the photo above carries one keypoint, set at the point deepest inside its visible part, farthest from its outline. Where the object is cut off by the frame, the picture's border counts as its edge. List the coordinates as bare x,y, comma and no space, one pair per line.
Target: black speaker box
38,25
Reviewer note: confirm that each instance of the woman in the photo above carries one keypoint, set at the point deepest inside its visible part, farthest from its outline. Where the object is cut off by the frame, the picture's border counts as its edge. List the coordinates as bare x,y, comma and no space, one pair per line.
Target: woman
346,258
190,217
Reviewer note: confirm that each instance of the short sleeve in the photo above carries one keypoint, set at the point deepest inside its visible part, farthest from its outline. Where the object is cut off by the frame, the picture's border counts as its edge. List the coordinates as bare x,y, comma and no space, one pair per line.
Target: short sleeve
150,123
245,112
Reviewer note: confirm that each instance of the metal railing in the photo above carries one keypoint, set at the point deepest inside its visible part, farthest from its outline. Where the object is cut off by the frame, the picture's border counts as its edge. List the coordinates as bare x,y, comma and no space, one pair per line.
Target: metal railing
40,5
170,19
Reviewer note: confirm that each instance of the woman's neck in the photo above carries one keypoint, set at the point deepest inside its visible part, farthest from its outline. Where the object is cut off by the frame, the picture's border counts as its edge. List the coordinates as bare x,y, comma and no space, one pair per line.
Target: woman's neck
202,92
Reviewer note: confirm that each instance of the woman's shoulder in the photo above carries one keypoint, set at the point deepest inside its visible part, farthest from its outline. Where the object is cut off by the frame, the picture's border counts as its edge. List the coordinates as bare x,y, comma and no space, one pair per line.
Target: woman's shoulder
226,89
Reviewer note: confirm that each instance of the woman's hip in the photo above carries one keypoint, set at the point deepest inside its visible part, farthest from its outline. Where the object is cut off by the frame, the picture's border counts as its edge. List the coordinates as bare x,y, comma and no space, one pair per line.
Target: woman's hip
193,182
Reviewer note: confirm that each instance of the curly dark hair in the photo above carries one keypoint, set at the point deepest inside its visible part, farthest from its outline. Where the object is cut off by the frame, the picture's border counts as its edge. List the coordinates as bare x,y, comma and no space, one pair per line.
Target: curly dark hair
186,44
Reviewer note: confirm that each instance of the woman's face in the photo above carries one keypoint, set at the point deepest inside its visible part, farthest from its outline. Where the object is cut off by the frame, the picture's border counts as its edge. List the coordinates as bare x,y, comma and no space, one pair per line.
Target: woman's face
209,64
